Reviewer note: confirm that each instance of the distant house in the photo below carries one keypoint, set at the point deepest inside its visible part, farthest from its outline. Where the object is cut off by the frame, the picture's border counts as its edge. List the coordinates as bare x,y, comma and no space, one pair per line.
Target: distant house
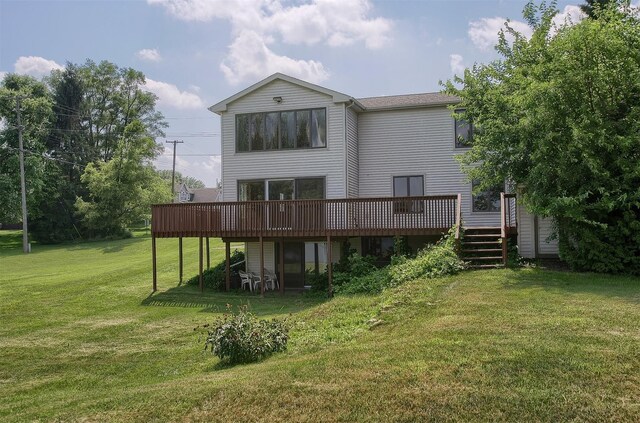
305,168
198,195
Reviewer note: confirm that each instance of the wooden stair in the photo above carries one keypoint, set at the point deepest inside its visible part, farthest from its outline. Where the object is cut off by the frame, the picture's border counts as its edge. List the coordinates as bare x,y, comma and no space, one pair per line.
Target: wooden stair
481,246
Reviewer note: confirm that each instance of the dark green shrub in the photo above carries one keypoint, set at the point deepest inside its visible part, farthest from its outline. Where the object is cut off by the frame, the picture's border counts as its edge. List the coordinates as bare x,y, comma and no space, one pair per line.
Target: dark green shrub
435,260
318,282
215,277
371,283
243,338
360,276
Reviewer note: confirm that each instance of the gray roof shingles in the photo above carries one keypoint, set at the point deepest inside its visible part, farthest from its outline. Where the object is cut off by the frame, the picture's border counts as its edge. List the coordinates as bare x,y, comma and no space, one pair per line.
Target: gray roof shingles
407,100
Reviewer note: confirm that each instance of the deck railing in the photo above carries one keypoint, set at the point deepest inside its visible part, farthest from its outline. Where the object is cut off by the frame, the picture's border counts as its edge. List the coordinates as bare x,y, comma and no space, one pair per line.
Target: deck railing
308,218
508,221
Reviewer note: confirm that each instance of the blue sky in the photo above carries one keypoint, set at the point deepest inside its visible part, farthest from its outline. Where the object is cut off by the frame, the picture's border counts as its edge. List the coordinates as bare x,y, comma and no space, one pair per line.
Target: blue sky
198,52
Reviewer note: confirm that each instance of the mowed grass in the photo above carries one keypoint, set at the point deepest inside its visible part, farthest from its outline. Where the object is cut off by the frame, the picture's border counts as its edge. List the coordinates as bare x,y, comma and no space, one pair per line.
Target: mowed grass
83,339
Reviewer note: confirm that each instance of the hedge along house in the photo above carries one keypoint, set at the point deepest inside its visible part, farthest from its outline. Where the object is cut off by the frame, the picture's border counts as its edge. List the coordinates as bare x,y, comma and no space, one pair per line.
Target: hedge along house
305,168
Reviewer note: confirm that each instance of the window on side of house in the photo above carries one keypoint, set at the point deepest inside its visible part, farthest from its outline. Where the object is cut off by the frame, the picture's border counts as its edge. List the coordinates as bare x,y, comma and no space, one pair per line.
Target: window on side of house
281,130
251,190
463,132
300,189
487,201
408,186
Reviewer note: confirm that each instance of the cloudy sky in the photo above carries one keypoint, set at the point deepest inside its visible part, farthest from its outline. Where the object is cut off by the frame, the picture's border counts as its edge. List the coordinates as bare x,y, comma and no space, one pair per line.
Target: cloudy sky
198,52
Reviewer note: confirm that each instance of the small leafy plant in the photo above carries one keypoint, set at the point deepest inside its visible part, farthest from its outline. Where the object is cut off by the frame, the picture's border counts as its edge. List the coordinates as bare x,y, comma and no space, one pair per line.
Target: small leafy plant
243,338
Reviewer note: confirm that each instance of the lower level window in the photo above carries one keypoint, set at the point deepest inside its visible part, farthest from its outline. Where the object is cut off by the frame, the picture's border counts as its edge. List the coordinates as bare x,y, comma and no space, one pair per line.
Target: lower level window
487,200
408,186
281,189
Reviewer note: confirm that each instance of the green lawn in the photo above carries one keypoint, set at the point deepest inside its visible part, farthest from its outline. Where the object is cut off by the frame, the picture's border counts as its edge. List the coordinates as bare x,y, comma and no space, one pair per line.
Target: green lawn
83,339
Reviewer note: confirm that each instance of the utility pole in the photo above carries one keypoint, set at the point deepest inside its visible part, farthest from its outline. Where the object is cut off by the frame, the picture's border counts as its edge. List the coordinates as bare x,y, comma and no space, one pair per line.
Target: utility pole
23,185
173,172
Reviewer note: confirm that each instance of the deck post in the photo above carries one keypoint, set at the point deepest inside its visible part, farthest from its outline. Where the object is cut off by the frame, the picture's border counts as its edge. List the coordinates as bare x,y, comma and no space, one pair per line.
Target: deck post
261,267
227,248
180,255
154,261
281,265
208,255
329,266
201,279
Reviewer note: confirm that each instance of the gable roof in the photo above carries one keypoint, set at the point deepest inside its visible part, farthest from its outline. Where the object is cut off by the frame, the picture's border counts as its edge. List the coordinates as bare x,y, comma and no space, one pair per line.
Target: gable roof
337,96
408,101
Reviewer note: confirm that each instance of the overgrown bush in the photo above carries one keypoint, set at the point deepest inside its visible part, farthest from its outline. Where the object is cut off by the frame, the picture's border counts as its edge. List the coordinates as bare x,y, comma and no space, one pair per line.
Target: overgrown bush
435,260
360,275
318,282
215,277
243,338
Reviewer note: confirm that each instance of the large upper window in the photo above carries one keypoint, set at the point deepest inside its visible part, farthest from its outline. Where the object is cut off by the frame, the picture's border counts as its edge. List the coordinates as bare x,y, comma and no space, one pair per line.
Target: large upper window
488,200
464,132
281,130
408,186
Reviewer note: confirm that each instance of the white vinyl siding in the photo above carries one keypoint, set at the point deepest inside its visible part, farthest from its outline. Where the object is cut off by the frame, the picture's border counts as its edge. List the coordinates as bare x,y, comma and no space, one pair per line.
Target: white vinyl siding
546,247
352,154
414,142
326,162
252,257
527,236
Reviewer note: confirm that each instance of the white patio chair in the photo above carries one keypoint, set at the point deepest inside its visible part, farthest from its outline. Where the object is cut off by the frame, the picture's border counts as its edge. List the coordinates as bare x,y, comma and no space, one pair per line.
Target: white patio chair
256,280
271,279
246,280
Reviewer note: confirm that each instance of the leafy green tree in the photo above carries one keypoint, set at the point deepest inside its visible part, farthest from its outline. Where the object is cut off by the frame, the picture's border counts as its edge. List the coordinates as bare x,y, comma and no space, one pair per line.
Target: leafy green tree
122,189
559,114
591,8
193,183
113,98
36,119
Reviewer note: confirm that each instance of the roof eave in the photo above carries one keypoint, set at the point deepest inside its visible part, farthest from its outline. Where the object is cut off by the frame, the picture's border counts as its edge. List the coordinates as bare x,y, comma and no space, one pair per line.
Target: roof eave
412,106
337,97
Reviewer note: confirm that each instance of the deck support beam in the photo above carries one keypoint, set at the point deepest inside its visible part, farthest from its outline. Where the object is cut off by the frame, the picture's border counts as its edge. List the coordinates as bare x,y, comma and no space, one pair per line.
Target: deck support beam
281,265
227,256
180,256
262,267
208,255
201,278
154,261
329,266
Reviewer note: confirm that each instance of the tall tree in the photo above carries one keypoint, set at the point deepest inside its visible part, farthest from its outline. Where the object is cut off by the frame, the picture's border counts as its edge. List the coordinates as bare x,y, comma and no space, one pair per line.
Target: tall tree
559,114
115,97
36,116
122,189
190,181
592,8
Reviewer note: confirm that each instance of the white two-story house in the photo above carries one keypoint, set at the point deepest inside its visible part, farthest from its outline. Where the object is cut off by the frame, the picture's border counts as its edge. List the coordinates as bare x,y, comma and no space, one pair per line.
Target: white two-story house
306,168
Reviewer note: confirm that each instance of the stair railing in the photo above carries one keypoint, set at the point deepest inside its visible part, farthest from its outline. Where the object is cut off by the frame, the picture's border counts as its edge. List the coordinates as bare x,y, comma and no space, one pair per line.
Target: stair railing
503,227
458,221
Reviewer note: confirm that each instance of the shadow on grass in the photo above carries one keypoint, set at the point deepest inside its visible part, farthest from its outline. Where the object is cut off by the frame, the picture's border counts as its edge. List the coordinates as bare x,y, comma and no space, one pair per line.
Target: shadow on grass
189,296
620,286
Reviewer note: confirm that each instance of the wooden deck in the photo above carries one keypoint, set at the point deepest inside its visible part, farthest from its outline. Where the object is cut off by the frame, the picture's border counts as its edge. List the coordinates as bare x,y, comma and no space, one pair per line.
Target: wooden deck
428,215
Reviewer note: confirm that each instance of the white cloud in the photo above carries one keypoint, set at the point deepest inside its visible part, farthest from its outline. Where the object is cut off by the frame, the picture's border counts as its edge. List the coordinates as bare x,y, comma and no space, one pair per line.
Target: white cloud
249,58
570,15
35,66
169,95
484,32
2,75
258,24
149,54
207,169
456,64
